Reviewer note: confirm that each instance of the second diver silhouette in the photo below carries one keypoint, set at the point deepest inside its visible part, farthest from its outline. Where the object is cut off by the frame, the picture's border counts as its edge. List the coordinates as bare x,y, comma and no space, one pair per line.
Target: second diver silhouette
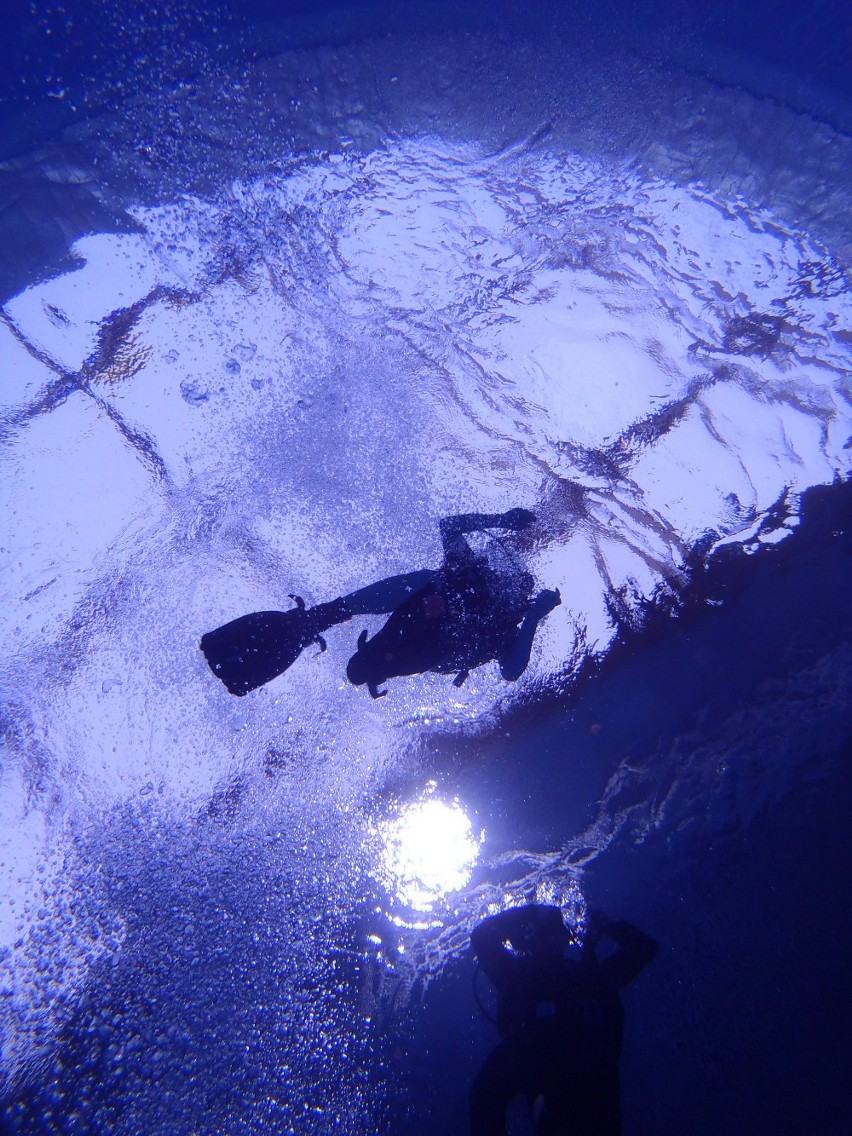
560,1020
472,609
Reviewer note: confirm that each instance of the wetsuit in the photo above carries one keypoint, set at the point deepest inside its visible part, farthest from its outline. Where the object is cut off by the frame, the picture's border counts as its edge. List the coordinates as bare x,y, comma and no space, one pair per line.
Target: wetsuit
462,615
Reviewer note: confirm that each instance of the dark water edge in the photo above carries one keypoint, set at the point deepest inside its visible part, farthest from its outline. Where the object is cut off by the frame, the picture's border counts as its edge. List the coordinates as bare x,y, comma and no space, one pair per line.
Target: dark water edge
49,45
104,103
741,1024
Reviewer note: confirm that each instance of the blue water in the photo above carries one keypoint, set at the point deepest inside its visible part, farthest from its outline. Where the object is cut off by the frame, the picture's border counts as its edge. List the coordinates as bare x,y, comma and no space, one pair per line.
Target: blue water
749,993
203,927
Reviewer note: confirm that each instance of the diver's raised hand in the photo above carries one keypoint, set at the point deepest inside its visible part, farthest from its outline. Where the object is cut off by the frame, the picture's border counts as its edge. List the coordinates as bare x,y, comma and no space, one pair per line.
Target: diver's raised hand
596,925
546,600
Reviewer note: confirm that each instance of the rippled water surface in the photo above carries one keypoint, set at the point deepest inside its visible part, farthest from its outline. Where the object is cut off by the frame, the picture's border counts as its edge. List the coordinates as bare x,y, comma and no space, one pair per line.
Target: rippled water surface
347,289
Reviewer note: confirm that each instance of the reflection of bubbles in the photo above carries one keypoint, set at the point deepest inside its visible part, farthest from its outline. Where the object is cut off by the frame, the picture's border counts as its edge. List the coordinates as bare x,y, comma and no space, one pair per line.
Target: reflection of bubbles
429,850
565,893
560,890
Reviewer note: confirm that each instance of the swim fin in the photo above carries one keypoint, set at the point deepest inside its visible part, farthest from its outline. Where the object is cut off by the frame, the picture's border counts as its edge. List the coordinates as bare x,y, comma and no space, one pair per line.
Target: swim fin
256,648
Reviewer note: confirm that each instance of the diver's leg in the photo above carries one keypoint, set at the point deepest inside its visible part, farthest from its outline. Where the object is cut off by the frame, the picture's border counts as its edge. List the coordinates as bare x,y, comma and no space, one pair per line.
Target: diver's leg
584,1100
503,1077
386,595
454,529
514,662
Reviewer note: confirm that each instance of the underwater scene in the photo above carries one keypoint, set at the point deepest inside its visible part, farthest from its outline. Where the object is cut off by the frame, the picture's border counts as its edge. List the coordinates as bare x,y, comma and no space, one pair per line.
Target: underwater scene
426,500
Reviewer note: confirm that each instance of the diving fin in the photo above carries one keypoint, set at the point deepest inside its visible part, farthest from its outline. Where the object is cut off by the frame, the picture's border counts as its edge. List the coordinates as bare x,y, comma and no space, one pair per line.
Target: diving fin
256,648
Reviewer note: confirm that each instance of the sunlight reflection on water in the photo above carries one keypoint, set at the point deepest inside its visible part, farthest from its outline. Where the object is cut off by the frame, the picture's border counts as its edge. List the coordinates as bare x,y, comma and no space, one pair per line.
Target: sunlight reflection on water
429,850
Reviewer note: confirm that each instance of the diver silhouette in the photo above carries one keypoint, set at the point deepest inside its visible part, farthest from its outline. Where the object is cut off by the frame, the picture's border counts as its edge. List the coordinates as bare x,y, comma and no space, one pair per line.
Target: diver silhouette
560,1019
476,607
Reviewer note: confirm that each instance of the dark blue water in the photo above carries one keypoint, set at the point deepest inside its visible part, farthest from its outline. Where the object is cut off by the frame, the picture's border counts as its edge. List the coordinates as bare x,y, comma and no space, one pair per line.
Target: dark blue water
49,43
742,1022
728,724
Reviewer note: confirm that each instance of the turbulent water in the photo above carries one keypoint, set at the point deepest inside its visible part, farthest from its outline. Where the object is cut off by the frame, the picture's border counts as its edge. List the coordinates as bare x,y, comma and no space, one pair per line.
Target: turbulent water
276,378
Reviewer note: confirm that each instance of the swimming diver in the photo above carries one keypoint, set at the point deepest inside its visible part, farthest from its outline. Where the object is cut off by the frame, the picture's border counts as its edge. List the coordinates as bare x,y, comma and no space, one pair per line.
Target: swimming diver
560,1020
448,620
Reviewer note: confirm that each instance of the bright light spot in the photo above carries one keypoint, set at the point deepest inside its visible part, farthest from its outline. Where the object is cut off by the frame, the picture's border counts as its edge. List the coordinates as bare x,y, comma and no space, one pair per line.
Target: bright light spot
429,851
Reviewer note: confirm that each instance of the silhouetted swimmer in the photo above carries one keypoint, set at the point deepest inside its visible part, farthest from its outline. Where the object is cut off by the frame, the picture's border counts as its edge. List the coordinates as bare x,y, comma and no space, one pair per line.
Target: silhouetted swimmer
468,612
449,620
560,1019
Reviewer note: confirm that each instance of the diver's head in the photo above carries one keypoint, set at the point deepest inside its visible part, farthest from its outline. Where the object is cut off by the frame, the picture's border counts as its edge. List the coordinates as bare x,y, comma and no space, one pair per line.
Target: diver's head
359,669
368,665
547,936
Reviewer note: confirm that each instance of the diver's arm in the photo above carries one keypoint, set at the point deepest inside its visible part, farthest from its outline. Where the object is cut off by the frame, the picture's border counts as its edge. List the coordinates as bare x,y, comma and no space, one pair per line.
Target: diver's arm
635,951
514,662
489,939
515,926
453,528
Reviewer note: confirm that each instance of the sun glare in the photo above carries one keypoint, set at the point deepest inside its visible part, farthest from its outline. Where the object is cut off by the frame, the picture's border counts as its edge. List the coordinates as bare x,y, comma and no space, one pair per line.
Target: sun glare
429,850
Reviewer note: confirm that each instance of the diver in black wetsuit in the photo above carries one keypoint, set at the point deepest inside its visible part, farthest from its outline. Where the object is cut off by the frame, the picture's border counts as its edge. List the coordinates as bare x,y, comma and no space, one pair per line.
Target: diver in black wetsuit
447,620
560,1019
462,615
